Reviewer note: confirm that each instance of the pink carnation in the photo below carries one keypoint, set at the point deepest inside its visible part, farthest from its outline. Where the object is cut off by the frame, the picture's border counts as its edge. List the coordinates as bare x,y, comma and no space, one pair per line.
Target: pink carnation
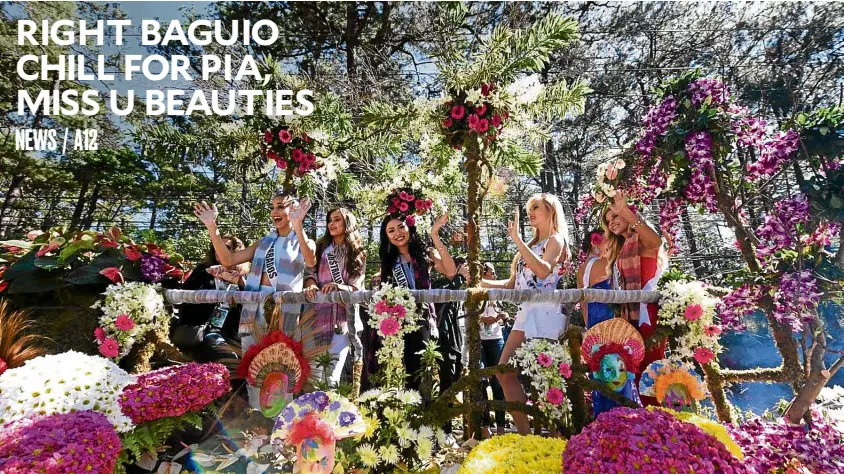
389,327
124,322
285,136
381,307
693,312
268,136
398,311
704,355
555,396
457,112
110,348
596,238
544,359
297,155
100,335
403,207
565,370
404,196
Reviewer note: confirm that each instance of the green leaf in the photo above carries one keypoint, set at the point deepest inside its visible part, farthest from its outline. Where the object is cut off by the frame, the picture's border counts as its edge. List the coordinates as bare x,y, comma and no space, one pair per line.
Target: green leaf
835,202
24,266
87,275
35,282
47,263
70,250
24,244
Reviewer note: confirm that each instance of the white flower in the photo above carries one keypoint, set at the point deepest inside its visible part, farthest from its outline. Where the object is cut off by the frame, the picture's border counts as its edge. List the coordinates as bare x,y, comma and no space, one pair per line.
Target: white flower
406,435
474,96
426,432
368,455
409,397
424,448
369,395
389,454
526,89
441,437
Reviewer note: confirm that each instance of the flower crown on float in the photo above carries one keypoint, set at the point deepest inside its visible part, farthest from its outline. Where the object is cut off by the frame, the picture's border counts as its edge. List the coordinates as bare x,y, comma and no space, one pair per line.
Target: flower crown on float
615,336
461,117
292,152
406,203
674,384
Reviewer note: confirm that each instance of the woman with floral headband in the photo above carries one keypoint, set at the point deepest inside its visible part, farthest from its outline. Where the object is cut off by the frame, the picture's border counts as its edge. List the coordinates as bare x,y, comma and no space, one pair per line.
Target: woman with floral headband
406,260
637,260
593,274
341,267
538,264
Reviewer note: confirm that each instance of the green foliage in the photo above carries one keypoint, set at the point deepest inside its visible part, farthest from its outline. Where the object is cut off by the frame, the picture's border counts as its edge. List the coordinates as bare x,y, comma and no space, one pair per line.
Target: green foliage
558,100
822,136
150,437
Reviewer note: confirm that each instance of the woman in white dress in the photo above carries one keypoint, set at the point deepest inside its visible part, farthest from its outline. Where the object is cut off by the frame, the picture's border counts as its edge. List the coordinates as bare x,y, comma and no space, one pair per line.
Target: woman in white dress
539,264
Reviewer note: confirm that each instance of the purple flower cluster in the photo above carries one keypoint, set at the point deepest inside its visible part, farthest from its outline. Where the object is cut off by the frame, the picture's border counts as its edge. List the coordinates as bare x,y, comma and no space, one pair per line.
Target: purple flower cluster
152,268
669,216
628,440
174,391
701,188
774,154
733,308
584,207
656,124
796,299
657,180
82,441
770,445
707,88
779,230
822,235
750,131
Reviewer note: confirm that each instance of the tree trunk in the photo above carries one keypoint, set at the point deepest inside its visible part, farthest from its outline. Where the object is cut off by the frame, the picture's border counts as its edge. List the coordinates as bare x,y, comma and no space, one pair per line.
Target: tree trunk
80,205
92,207
50,217
351,37
691,241
8,201
473,306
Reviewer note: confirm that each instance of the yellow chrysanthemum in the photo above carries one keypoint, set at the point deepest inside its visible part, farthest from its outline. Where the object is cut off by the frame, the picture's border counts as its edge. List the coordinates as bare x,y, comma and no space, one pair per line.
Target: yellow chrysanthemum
711,427
515,454
371,426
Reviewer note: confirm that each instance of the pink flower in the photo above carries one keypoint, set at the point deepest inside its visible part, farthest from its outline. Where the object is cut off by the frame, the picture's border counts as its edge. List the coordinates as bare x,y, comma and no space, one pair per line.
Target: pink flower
389,327
391,210
3,366
481,110
713,330
403,207
596,238
704,355
268,136
457,112
124,322
410,197
693,312
109,348
100,335
285,136
398,311
496,120
447,123
428,204
544,359
473,121
612,172
483,125
396,201
381,307
404,196
419,204
565,370
410,221
53,245
281,163
33,234
297,155
554,396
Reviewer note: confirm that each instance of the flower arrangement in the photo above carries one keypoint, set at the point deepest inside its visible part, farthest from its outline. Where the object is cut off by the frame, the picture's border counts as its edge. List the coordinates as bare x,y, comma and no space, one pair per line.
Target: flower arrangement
407,203
674,384
688,307
479,113
638,440
393,313
85,258
769,446
712,427
606,180
394,436
174,391
130,311
516,454
548,365
64,383
290,150
81,441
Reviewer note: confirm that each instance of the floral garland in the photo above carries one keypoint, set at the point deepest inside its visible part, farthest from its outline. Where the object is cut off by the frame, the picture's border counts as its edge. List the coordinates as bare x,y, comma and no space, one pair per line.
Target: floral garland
393,313
479,112
81,441
407,203
688,306
395,436
64,383
174,391
638,440
515,454
548,365
130,311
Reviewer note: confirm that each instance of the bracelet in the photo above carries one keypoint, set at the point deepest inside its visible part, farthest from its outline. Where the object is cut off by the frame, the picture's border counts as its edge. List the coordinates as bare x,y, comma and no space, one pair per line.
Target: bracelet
633,227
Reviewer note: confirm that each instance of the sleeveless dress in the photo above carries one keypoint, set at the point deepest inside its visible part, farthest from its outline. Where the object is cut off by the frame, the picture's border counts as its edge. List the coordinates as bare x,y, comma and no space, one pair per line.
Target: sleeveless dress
597,312
545,320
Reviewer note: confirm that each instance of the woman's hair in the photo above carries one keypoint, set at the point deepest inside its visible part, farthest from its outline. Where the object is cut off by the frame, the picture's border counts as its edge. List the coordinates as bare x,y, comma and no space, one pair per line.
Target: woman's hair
558,219
616,242
355,253
232,242
388,252
586,245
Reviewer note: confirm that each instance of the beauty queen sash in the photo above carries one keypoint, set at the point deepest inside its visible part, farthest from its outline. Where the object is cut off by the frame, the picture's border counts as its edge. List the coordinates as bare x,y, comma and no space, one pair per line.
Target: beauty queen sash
284,264
350,312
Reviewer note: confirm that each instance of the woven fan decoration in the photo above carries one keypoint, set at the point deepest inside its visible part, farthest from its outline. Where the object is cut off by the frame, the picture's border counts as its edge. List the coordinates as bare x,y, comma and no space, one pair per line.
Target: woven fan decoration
614,333
674,384
278,368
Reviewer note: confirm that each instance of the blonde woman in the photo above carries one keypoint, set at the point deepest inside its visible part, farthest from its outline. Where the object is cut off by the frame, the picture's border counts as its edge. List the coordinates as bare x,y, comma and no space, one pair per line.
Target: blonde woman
539,264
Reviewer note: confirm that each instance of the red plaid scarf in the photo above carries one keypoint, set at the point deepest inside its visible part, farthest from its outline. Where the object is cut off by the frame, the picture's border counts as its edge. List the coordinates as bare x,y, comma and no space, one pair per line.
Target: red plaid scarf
630,270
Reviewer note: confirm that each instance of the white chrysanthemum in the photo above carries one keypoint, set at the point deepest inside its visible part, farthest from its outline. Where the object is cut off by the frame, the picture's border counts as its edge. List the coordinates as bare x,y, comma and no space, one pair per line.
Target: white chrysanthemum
425,448
389,454
409,397
441,437
62,383
368,456
426,432
369,395
406,435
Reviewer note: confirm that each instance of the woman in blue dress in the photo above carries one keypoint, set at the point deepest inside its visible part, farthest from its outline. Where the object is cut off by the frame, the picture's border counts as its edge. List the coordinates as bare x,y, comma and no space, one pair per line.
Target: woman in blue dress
593,274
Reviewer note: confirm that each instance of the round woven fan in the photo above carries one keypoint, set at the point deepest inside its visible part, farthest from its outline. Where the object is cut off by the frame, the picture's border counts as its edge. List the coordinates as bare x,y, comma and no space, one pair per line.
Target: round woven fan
613,331
275,352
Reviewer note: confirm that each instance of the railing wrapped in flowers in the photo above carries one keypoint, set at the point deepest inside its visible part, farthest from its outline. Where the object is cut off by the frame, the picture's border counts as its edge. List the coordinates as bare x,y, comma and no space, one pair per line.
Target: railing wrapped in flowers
439,409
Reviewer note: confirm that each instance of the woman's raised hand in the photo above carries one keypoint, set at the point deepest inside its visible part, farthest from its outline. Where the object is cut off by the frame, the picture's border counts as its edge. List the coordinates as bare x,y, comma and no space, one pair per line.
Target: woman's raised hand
619,202
298,213
513,226
207,214
439,223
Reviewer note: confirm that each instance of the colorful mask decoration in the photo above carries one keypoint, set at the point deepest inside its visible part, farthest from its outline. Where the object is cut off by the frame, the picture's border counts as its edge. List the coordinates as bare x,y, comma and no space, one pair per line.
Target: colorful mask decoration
674,384
278,368
613,350
313,423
